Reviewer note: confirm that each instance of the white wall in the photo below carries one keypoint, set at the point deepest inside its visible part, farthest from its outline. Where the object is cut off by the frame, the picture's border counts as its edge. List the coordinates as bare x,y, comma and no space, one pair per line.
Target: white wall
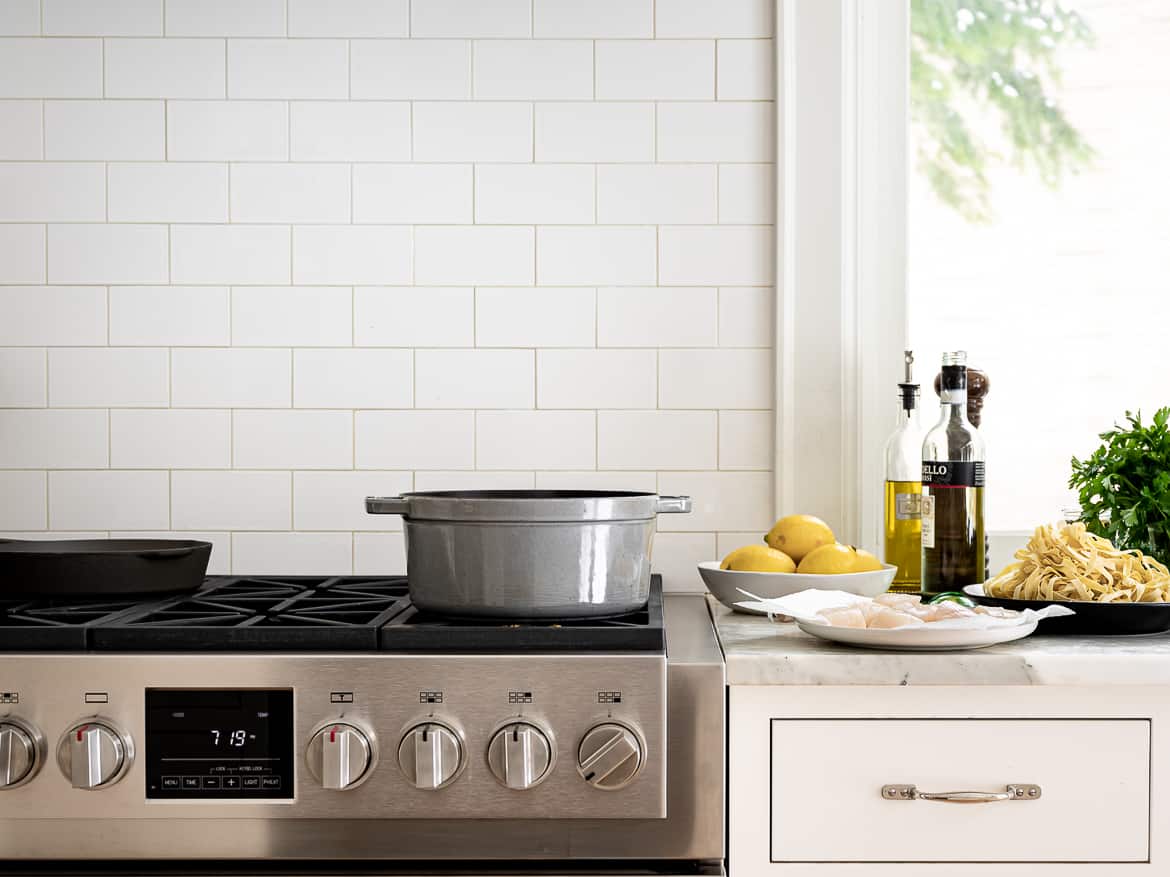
258,260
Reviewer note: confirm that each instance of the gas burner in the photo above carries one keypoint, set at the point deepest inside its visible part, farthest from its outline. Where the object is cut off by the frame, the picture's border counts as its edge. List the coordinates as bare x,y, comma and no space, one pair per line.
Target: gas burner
58,625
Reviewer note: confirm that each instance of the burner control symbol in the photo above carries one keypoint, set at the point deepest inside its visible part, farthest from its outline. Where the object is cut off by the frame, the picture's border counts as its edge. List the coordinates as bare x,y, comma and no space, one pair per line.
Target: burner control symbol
94,754
431,755
610,756
520,755
20,753
340,756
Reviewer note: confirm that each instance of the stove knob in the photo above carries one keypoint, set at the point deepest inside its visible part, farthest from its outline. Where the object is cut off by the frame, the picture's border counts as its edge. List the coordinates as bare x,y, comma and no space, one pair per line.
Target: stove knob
430,755
20,749
339,756
94,754
520,755
610,756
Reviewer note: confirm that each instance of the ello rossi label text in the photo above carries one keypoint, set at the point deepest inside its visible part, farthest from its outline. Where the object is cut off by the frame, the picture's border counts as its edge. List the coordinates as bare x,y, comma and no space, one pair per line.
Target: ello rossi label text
953,473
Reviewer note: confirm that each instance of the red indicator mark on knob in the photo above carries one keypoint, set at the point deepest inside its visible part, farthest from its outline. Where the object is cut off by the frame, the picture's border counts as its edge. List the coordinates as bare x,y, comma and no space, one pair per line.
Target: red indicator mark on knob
81,731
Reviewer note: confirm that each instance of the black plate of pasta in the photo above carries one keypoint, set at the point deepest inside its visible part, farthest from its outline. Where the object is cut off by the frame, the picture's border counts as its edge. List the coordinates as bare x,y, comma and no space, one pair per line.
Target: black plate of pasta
1112,592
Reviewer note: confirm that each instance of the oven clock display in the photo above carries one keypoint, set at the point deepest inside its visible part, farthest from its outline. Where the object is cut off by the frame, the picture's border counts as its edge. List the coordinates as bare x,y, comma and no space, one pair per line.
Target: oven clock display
235,744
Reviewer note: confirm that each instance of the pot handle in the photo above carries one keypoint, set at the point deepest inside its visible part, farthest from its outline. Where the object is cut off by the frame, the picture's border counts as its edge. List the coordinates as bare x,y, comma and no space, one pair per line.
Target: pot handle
387,505
674,505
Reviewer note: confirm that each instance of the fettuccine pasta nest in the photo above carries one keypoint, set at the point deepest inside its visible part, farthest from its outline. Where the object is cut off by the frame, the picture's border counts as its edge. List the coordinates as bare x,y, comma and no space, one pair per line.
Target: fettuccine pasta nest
1070,563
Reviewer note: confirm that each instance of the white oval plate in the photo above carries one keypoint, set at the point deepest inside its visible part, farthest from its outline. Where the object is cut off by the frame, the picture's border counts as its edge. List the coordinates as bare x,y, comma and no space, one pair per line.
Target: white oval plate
924,638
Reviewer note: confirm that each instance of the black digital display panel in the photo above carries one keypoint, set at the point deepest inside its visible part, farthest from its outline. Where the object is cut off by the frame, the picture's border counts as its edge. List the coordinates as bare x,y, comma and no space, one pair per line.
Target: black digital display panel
234,744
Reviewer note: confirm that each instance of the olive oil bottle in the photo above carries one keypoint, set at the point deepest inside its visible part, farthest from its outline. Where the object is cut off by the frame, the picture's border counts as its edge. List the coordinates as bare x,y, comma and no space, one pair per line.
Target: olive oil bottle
903,517
953,554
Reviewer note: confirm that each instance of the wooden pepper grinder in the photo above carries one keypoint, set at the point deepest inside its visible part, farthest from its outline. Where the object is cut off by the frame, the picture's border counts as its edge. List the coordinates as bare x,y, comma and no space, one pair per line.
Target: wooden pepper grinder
978,385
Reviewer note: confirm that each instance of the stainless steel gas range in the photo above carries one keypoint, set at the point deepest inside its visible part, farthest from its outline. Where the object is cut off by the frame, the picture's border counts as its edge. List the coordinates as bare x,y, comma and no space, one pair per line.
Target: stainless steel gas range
327,720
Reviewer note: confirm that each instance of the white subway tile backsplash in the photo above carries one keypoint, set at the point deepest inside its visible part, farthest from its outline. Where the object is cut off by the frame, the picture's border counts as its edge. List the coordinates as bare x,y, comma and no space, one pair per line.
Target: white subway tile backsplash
52,315
336,500
414,439
165,68
473,378
410,69
288,69
596,256
471,18
656,193
379,554
716,131
352,254
56,192
323,554
746,316
302,316
596,378
227,130
353,378
655,69
747,193
729,255
108,377
406,316
53,438
720,501
536,439
343,131
745,440
474,481
232,500
533,69
602,132
746,70
467,131
170,439
528,316
20,130
473,255
348,18
227,254
122,130
168,192
109,500
22,253
534,193
647,482
84,18
225,18
184,316
107,253
596,19
22,378
714,18
230,378
412,193
292,439
651,316
20,18
289,193
25,501
657,439
31,67
717,378
676,556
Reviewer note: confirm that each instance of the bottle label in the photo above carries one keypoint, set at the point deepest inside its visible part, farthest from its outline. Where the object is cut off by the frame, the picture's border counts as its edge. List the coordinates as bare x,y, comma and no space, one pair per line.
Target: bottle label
908,506
927,506
953,473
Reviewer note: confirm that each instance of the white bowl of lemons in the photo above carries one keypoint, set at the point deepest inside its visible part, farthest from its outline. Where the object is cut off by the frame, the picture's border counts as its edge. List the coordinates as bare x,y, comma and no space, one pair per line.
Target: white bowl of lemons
800,552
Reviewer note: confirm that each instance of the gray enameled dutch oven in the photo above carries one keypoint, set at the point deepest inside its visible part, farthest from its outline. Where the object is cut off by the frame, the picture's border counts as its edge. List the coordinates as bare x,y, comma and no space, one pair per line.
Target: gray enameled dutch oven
528,554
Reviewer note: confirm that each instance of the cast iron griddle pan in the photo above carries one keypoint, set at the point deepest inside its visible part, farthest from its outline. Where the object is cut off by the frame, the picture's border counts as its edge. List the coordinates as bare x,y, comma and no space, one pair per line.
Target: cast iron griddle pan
101,567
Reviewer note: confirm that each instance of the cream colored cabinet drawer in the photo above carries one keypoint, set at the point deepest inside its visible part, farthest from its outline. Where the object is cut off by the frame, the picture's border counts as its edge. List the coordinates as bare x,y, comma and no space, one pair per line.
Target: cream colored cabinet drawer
827,778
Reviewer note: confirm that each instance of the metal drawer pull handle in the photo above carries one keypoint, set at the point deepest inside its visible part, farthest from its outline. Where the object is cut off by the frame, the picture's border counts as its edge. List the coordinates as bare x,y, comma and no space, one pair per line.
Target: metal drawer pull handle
1013,792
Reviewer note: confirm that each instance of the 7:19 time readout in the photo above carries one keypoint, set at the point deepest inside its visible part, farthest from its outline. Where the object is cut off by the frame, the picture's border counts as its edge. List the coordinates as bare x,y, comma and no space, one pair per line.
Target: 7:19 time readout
237,739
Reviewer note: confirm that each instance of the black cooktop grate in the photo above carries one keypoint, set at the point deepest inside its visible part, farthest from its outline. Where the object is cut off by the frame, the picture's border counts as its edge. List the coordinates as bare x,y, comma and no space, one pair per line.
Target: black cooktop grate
306,614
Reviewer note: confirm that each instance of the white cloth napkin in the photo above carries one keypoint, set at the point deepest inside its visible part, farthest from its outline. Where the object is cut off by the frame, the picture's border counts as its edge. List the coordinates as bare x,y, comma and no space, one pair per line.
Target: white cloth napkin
806,605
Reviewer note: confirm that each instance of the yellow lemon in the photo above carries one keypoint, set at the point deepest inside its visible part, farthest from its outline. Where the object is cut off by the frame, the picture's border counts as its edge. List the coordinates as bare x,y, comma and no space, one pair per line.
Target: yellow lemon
797,535
758,558
866,562
830,560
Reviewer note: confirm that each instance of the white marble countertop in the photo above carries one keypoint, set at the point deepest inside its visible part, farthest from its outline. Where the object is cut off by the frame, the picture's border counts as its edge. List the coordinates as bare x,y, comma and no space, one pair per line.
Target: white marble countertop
762,652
